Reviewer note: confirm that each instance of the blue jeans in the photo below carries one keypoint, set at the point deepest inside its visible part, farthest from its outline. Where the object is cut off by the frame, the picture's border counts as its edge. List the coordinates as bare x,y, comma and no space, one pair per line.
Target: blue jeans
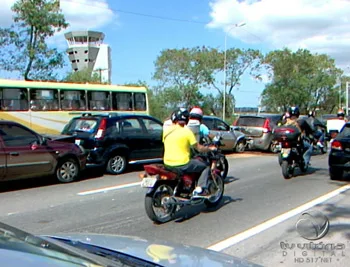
307,154
320,136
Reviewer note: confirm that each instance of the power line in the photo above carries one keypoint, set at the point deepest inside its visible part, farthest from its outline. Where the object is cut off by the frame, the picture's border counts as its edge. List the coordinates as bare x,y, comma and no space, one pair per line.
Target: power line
156,16
140,14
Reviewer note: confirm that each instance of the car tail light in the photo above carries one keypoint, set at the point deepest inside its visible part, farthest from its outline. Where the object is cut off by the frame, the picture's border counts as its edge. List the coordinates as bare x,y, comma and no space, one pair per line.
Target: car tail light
336,145
267,127
101,129
285,130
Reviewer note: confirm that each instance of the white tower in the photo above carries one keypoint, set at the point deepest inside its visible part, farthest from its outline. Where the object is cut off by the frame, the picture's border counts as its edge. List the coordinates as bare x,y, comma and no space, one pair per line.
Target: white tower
87,50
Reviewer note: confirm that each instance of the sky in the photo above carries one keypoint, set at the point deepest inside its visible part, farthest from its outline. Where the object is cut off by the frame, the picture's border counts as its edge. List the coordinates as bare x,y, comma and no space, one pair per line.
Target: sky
138,30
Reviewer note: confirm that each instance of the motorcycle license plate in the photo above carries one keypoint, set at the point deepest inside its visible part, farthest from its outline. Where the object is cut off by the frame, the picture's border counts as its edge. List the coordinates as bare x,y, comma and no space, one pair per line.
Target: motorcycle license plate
285,152
148,182
279,147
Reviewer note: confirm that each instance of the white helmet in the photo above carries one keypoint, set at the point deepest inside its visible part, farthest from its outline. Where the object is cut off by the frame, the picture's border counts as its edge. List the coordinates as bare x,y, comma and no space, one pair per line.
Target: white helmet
196,113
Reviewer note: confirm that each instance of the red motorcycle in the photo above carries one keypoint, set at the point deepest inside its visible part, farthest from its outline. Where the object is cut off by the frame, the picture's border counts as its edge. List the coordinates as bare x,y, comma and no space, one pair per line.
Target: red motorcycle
170,189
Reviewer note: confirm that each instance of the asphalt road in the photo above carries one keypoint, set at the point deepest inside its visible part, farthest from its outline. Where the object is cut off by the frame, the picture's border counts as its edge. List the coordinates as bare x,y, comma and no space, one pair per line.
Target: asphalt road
255,193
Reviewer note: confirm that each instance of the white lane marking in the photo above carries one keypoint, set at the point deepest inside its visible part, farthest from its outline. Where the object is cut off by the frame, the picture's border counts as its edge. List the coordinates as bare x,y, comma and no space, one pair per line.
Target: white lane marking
274,221
110,188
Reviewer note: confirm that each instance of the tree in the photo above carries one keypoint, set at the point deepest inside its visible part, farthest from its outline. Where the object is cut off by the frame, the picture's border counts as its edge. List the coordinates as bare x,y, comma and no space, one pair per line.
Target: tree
187,71
182,71
299,78
83,76
23,45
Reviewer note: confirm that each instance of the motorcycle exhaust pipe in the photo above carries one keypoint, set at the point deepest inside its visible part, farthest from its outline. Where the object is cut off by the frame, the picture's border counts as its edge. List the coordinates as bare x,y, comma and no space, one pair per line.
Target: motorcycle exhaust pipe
180,201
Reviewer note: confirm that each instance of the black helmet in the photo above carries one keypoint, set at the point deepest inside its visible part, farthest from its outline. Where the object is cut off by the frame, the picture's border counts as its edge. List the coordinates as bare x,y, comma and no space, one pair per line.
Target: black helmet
180,115
294,111
340,113
311,113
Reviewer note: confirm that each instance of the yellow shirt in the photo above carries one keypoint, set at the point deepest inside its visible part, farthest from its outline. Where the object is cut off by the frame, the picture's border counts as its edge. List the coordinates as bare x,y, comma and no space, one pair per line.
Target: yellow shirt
177,145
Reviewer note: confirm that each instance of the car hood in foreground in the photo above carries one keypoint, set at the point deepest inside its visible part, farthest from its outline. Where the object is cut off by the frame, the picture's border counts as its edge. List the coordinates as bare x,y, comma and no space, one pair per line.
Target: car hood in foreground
163,253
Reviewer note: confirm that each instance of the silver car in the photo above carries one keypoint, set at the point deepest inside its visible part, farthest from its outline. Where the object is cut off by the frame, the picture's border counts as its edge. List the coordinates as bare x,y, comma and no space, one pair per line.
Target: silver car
232,139
259,128
19,248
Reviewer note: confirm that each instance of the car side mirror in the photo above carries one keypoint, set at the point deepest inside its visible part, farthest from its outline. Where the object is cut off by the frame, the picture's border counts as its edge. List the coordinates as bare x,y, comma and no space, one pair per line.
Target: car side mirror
234,128
43,141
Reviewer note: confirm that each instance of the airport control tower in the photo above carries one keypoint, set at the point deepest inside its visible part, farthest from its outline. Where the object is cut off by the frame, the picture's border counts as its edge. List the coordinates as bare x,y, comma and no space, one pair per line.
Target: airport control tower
87,50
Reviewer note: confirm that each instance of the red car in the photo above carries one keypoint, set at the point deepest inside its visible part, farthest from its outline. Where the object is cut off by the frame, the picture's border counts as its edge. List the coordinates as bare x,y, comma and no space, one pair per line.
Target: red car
26,154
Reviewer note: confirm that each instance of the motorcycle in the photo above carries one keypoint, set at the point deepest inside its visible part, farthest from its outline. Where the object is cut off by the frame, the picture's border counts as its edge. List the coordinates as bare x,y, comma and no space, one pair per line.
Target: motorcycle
291,155
169,189
222,163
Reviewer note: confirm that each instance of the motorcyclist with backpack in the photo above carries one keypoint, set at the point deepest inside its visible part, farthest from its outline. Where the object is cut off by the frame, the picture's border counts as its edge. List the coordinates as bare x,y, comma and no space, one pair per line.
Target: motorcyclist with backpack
305,130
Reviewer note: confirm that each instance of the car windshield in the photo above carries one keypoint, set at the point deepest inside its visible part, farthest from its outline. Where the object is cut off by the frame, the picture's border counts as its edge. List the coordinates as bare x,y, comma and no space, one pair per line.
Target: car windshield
71,253
15,239
345,133
251,121
81,125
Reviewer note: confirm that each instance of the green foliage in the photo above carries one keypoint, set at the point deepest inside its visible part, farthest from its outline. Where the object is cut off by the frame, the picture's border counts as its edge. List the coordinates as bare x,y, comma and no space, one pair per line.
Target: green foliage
300,78
83,76
183,73
23,45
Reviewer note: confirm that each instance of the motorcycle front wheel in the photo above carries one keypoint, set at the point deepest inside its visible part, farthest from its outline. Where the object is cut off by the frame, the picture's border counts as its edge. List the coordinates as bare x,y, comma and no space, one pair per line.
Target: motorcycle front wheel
157,209
223,167
216,191
287,169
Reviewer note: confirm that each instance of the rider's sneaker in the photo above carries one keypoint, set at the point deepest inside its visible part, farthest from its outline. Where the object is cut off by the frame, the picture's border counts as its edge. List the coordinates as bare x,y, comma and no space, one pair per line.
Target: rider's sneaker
199,192
320,144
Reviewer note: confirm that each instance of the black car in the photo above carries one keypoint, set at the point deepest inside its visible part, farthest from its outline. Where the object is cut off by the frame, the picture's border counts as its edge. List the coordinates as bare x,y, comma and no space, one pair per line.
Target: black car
339,156
116,140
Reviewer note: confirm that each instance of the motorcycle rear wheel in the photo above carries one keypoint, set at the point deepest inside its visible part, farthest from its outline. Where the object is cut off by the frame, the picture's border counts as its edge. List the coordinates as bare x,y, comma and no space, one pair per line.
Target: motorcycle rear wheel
154,202
287,170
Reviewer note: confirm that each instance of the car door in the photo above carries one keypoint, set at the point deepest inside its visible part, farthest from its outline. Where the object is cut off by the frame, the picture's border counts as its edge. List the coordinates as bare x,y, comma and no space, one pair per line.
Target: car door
25,157
134,136
154,133
228,137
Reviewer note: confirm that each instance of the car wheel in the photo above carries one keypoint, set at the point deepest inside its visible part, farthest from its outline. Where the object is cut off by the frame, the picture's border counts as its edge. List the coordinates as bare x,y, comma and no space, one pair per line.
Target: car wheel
67,170
240,146
116,164
273,148
336,173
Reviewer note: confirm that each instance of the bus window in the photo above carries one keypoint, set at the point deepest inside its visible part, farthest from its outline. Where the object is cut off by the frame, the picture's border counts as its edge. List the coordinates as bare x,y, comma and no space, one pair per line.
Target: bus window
43,99
73,100
14,99
99,100
140,101
122,101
